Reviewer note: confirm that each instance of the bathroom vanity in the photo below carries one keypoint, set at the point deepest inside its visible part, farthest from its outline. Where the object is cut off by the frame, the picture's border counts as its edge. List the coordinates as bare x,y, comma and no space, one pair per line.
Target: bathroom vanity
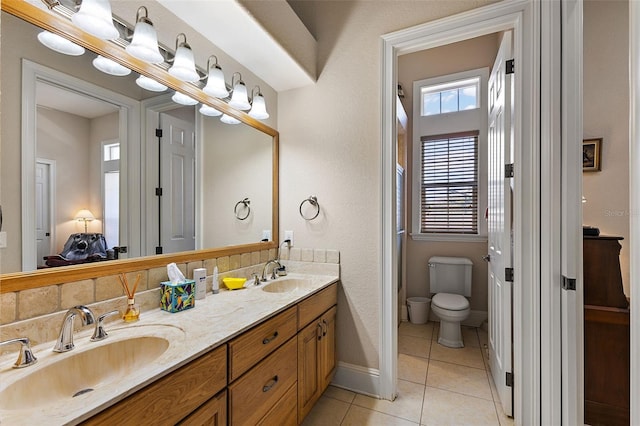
239,357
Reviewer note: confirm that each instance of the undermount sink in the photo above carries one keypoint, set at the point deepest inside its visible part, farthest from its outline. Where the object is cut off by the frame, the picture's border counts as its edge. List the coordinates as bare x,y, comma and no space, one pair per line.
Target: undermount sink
286,285
81,372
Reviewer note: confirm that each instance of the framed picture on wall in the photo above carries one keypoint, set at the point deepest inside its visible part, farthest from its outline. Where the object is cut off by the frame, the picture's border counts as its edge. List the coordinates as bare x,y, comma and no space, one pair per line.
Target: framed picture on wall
591,149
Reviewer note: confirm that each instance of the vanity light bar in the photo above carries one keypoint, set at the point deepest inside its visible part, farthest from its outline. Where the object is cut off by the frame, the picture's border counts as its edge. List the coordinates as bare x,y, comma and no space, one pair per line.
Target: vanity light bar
67,8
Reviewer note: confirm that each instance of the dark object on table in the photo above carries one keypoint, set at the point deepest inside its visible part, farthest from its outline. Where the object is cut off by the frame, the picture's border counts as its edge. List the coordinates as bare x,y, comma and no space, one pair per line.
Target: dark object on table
80,248
590,231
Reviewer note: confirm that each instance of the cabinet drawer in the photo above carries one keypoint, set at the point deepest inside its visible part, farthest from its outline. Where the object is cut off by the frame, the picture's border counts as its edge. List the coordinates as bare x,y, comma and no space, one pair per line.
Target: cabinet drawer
167,400
255,393
312,307
285,412
246,350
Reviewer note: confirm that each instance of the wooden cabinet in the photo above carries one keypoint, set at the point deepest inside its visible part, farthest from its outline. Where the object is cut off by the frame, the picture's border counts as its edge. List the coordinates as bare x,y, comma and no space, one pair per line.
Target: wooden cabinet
171,398
249,348
272,374
606,334
211,413
316,360
252,395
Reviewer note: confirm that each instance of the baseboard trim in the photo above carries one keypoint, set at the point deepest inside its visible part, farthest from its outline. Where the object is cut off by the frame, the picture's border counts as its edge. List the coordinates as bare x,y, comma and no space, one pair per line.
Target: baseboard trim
358,379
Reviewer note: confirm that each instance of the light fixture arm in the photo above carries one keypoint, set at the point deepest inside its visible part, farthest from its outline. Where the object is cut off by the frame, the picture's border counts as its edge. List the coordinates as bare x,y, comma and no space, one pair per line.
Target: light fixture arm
143,18
253,94
183,44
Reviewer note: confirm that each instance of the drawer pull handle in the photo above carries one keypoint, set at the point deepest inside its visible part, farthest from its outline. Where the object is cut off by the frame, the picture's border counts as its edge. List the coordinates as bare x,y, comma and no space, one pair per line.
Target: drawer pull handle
271,383
319,334
325,328
269,339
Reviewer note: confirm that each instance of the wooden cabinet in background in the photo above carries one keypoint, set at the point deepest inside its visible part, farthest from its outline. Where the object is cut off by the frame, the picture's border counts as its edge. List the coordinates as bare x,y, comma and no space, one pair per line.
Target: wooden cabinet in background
606,334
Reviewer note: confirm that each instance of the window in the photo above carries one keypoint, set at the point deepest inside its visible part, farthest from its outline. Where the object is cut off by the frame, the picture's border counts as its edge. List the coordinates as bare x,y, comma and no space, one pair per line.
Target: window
449,184
448,97
111,191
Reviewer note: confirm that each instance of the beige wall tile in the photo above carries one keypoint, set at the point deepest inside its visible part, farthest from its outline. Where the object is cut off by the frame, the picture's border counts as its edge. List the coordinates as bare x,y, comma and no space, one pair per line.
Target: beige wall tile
148,300
108,287
284,253
320,256
333,256
223,264
77,293
191,266
255,258
273,253
264,256
296,254
8,307
156,276
38,301
307,255
209,264
235,262
245,260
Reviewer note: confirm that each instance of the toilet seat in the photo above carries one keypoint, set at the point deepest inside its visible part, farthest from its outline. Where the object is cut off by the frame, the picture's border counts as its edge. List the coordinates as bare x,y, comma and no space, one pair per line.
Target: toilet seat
451,302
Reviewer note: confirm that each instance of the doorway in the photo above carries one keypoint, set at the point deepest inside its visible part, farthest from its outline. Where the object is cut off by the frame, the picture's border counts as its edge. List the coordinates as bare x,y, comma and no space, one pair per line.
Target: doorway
517,16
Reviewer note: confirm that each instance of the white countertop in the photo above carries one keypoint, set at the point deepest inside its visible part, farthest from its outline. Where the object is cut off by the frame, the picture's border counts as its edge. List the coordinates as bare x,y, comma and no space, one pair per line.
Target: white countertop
212,322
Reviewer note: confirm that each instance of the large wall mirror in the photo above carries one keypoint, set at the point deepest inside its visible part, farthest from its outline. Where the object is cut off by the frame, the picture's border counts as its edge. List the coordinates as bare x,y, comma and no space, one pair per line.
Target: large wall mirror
76,139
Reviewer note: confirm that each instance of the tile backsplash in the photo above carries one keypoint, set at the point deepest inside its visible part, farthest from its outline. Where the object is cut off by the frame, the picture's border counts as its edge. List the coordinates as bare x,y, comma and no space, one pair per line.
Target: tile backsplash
37,313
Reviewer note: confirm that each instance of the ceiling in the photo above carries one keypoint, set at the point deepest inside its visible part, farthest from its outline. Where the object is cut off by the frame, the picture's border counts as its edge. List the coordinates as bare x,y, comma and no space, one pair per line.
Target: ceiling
71,102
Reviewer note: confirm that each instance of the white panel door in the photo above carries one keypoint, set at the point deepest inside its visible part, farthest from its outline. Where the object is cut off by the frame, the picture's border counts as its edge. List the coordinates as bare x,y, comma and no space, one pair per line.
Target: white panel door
177,169
499,224
43,211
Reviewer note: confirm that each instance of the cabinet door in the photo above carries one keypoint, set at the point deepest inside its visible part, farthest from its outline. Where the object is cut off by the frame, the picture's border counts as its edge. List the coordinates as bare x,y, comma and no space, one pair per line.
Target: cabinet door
327,349
211,413
308,379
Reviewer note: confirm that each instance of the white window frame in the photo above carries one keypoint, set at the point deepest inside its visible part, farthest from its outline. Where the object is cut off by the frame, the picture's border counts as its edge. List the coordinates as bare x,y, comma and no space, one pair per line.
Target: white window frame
448,86
449,123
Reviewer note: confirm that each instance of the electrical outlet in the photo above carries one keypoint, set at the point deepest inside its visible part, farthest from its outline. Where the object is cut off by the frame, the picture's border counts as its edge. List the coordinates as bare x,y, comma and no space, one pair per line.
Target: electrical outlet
288,235
266,235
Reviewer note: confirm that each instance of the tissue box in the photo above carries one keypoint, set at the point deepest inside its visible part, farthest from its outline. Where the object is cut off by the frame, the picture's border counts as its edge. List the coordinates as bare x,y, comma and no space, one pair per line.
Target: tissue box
177,297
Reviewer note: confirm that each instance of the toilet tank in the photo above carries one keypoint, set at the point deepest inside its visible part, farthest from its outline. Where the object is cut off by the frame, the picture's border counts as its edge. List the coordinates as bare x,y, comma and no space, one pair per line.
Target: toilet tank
450,275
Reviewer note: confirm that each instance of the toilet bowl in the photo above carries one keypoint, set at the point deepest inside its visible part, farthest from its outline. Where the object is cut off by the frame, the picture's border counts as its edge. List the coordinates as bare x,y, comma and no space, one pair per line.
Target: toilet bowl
450,284
451,309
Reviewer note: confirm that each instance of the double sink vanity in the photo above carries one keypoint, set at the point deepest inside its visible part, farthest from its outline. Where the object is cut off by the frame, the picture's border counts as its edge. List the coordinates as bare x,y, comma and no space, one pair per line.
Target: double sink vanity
260,355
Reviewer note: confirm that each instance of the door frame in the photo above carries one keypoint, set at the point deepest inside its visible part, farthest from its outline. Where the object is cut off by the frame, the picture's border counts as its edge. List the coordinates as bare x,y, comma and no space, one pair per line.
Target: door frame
128,133
52,200
525,20
634,200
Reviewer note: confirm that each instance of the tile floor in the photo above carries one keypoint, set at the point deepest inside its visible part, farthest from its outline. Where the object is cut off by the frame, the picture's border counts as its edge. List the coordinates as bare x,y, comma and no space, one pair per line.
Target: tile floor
436,386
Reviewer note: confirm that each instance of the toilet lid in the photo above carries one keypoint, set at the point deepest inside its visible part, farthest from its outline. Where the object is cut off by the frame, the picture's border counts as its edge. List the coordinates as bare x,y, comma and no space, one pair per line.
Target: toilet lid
452,302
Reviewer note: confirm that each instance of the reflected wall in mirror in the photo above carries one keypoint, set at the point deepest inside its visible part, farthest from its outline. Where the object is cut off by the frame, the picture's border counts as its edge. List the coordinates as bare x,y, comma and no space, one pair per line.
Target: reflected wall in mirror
66,144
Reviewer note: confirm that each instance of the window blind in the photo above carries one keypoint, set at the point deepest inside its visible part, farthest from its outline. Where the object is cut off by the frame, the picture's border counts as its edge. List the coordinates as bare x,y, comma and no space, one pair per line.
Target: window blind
449,189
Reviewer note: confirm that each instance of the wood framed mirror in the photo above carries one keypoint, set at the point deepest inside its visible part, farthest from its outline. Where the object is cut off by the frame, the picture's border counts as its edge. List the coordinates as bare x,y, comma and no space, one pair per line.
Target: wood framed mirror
54,23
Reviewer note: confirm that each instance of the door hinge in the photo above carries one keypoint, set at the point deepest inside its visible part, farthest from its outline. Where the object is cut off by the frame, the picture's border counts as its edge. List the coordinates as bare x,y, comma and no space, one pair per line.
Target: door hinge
508,274
509,67
508,170
509,379
159,250
568,283
158,133
159,192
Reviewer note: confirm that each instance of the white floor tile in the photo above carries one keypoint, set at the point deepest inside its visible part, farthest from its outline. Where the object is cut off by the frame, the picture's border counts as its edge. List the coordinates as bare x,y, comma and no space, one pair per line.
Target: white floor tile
359,416
408,404
326,412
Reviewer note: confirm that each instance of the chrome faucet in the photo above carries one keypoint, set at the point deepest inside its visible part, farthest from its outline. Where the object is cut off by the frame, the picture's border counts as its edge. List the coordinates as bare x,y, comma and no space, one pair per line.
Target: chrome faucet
25,356
274,262
65,339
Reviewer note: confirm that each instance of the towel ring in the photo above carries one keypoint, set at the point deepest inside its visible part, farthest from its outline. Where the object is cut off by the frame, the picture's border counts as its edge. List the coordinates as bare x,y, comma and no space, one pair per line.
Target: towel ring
245,203
313,200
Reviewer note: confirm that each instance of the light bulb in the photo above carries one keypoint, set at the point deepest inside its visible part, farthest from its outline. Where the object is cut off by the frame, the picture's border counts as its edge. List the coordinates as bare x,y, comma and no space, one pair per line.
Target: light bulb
150,84
60,44
108,66
209,111
227,119
144,44
259,108
182,99
239,99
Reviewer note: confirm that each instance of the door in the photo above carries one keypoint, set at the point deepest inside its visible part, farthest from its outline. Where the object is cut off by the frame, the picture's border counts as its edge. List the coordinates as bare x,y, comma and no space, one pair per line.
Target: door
499,225
177,180
44,170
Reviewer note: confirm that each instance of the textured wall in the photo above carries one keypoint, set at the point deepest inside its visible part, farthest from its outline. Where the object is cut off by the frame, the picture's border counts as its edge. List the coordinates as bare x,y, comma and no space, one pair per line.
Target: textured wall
606,116
330,147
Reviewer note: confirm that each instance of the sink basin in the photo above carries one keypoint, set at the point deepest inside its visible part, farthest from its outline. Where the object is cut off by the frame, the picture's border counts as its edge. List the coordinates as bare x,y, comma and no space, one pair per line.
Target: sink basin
286,285
81,372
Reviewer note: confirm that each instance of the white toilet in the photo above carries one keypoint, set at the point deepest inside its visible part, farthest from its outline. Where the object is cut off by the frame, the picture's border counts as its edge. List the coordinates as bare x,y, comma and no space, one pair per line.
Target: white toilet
450,283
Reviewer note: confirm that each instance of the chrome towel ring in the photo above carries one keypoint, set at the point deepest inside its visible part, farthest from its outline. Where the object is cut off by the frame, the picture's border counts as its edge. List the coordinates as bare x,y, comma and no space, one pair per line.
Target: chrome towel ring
245,202
313,200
